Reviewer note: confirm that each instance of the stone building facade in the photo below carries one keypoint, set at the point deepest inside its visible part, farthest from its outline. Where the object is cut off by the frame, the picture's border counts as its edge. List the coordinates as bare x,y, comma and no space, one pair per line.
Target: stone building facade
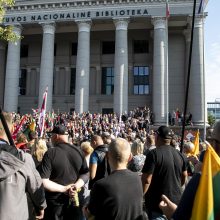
103,56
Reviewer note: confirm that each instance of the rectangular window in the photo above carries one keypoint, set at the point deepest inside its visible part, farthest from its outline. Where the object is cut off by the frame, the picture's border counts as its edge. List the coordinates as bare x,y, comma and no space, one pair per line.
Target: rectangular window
22,82
141,80
141,46
74,49
107,80
24,51
108,47
107,111
73,81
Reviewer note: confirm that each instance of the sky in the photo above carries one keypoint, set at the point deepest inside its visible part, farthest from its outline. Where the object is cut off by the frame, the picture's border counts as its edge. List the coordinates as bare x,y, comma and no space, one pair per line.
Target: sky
212,51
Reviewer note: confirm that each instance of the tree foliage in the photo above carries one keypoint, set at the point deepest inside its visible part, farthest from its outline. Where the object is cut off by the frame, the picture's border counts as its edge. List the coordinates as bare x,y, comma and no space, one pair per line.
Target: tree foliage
211,119
6,32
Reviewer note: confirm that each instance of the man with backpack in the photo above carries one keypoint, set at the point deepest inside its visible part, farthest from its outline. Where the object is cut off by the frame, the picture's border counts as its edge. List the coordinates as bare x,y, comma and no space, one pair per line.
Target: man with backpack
98,164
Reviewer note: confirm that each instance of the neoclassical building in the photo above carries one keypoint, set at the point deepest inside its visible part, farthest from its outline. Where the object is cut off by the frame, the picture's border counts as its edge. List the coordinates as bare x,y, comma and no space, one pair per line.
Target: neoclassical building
103,56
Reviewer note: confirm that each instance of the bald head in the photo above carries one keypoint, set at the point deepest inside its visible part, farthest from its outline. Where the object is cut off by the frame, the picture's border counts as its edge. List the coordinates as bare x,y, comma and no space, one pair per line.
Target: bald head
119,151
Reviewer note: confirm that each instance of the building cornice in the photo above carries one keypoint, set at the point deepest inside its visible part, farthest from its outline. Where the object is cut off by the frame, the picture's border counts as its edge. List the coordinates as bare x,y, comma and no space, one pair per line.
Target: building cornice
33,11
32,5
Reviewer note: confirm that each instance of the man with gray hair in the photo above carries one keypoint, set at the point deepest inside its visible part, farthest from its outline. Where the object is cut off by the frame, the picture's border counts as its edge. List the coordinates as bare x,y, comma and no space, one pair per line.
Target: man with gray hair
118,196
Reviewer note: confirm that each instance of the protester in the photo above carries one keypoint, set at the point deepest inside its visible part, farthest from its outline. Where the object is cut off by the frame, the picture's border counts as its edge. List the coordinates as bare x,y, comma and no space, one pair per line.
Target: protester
184,209
98,164
62,167
149,144
118,196
22,142
138,158
19,181
106,137
38,150
164,172
85,192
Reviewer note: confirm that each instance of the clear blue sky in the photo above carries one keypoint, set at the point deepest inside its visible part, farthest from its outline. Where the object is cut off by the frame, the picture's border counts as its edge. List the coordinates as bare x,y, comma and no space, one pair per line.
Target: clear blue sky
212,51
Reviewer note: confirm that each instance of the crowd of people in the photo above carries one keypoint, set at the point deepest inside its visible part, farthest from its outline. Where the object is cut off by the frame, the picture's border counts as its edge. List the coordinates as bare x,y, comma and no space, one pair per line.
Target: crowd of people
97,166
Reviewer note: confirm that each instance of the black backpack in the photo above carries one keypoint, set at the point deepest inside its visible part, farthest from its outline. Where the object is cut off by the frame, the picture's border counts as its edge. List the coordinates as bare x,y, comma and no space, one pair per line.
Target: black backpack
103,168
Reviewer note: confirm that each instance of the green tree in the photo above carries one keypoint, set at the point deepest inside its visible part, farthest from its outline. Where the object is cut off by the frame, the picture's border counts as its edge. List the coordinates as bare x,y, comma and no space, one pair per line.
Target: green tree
211,119
6,32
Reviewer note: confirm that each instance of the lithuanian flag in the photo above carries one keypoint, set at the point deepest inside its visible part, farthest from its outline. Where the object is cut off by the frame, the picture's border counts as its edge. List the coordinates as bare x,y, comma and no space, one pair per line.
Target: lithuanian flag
196,144
207,201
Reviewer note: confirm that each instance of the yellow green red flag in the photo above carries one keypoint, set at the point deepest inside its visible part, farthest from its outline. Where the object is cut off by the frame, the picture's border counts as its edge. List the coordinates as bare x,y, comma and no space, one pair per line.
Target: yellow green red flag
207,201
196,144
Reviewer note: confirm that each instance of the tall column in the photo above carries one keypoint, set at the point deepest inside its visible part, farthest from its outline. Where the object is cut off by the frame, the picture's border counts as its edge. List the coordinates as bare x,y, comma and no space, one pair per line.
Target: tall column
47,64
121,66
197,85
160,70
2,71
187,33
83,67
12,73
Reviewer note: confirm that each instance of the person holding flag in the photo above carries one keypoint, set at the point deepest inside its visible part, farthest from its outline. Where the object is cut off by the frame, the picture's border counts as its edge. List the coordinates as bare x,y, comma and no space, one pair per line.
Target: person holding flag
201,198
42,114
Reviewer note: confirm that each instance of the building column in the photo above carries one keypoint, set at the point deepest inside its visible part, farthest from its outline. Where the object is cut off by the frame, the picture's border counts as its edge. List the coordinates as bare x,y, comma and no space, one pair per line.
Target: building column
160,70
83,67
47,64
187,34
56,80
121,66
12,73
2,71
196,103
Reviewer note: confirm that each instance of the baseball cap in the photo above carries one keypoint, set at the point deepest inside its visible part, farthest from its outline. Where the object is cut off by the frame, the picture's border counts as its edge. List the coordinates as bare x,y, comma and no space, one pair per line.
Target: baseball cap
164,132
59,129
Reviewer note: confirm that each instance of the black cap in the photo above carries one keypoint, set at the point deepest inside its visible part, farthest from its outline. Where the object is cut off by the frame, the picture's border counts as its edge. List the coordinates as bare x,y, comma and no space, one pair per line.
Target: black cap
164,132
59,129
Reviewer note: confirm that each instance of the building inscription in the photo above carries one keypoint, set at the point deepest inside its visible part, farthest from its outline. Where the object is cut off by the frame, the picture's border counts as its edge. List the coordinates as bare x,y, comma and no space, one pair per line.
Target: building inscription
63,16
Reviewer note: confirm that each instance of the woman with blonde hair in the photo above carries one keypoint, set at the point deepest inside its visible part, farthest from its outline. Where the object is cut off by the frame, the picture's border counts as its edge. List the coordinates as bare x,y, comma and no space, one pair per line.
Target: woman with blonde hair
84,194
137,162
87,150
38,150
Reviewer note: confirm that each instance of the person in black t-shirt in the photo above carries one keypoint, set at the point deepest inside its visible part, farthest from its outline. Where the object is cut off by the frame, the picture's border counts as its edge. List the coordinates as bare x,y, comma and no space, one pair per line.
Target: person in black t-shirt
63,167
184,209
118,196
164,172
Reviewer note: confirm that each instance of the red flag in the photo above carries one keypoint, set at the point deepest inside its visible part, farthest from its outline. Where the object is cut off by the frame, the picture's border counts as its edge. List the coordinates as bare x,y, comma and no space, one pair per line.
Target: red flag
18,128
41,120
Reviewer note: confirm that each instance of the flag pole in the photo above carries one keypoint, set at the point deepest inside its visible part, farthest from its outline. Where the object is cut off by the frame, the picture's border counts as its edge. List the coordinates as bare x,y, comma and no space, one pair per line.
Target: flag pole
167,53
188,77
204,88
167,66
